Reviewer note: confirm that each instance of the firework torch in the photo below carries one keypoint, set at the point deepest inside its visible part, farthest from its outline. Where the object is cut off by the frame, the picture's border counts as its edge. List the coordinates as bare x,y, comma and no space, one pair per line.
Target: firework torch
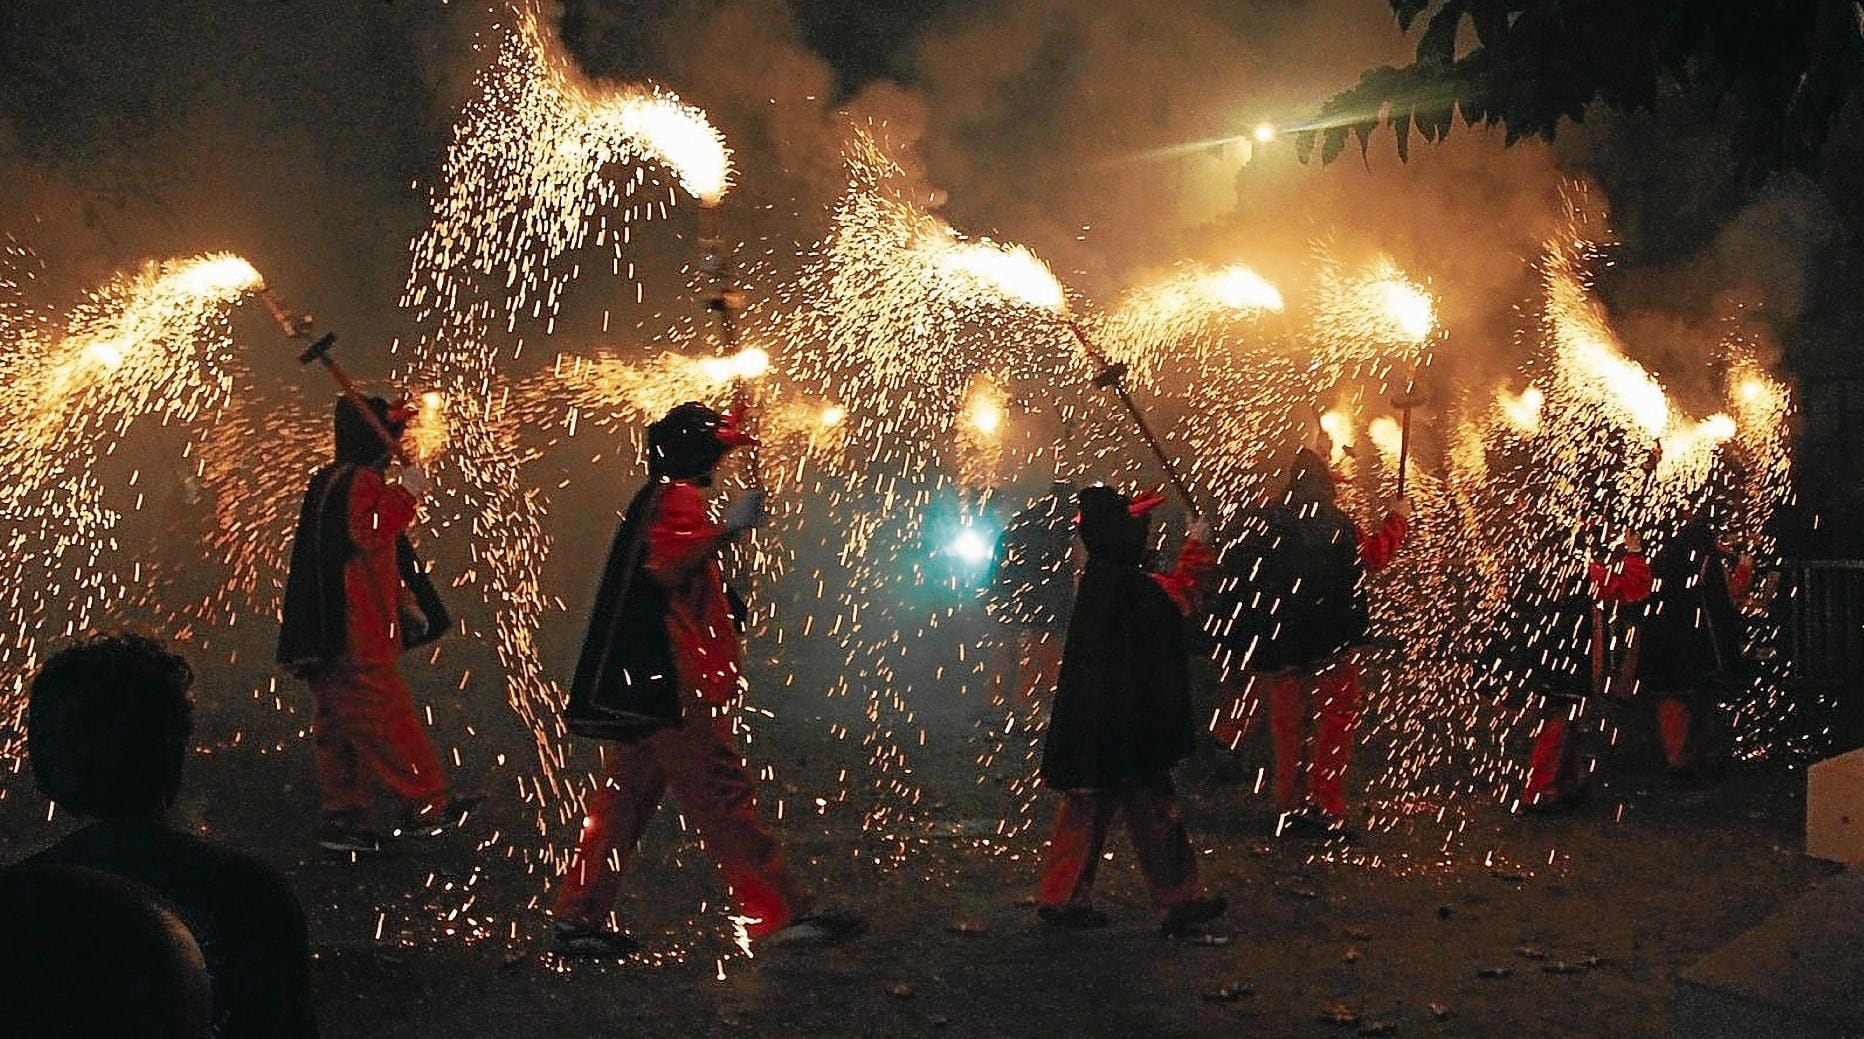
298,326
725,299
1113,377
1404,403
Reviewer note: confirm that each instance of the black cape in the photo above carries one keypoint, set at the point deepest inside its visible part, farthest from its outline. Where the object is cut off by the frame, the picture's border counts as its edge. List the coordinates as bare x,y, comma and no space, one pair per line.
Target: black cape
626,686
1123,699
1690,636
1292,588
313,625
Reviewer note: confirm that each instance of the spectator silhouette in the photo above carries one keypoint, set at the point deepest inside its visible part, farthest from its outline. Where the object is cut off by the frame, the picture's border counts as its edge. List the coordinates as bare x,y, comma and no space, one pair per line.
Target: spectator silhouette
86,955
107,728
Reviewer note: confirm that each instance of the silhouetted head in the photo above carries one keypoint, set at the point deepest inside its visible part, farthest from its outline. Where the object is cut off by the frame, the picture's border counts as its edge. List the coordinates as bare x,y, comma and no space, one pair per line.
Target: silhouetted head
688,442
357,442
1113,526
93,955
107,724
1310,481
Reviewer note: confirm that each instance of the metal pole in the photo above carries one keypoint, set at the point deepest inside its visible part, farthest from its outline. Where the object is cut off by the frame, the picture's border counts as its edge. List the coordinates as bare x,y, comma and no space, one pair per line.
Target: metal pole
725,300
1112,376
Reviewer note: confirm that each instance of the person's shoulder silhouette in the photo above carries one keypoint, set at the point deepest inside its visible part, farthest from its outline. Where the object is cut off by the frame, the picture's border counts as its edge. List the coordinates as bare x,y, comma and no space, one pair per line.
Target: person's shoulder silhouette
108,723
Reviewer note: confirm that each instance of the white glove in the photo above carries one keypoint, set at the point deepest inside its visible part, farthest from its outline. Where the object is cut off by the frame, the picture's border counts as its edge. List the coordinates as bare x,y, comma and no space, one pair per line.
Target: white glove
747,512
413,479
1198,531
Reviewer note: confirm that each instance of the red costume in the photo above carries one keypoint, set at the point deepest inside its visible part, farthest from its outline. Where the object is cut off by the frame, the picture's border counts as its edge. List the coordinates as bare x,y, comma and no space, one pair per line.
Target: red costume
1565,662
1294,613
1314,710
697,758
1122,719
341,630
658,681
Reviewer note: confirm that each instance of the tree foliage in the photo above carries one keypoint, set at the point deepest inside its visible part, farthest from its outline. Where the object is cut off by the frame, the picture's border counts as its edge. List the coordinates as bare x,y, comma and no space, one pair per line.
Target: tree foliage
1784,69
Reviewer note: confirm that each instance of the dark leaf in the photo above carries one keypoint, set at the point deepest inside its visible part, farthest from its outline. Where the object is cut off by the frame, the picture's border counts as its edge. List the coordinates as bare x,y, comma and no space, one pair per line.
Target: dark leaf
1304,146
1333,145
1490,18
1407,12
1436,49
1401,129
1363,131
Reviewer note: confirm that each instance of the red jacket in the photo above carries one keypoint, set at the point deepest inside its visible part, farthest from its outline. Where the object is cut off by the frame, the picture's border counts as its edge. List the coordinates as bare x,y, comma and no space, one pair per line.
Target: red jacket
378,512
1377,548
682,554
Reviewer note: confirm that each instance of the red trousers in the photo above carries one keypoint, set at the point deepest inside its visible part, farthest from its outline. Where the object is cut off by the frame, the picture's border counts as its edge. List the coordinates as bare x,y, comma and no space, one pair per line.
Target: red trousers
1674,728
1553,766
1153,822
699,761
1312,715
364,728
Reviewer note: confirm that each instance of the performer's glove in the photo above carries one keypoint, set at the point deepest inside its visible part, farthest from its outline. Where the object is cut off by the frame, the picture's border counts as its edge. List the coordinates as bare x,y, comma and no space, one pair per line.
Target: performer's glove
1634,542
1401,508
745,513
413,479
1199,531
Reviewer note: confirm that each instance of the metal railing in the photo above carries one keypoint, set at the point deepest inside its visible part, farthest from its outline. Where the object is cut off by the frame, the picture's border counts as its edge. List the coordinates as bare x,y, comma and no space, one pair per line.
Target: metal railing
1820,607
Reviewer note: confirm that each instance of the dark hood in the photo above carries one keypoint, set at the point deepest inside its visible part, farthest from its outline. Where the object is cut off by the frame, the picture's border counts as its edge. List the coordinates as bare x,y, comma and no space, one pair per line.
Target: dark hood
357,443
685,444
1310,481
1111,533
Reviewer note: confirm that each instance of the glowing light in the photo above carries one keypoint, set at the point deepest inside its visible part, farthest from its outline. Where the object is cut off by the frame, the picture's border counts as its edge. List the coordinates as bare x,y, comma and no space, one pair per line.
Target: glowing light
1386,435
1338,426
1522,411
427,432
986,417
833,415
970,546
1240,288
1009,270
749,363
1409,308
1264,133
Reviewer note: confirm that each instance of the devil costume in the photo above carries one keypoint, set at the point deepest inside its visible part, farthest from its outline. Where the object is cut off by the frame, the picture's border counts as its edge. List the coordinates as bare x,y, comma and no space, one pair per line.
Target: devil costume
1559,644
1122,718
355,597
659,679
1689,640
1293,611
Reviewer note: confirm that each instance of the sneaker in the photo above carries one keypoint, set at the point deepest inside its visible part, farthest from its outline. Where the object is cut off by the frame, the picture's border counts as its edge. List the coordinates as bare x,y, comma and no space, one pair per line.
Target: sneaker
1078,918
1193,913
585,942
829,927
432,822
349,840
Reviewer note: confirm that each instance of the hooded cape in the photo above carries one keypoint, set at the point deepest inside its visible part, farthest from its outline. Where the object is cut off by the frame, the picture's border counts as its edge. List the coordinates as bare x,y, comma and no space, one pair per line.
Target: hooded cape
1690,635
626,686
314,623
1123,698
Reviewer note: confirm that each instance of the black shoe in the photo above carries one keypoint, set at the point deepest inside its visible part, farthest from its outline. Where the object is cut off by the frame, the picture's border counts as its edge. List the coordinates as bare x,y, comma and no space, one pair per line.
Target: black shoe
1078,918
1193,913
433,822
583,942
1556,803
818,930
348,840
1312,826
